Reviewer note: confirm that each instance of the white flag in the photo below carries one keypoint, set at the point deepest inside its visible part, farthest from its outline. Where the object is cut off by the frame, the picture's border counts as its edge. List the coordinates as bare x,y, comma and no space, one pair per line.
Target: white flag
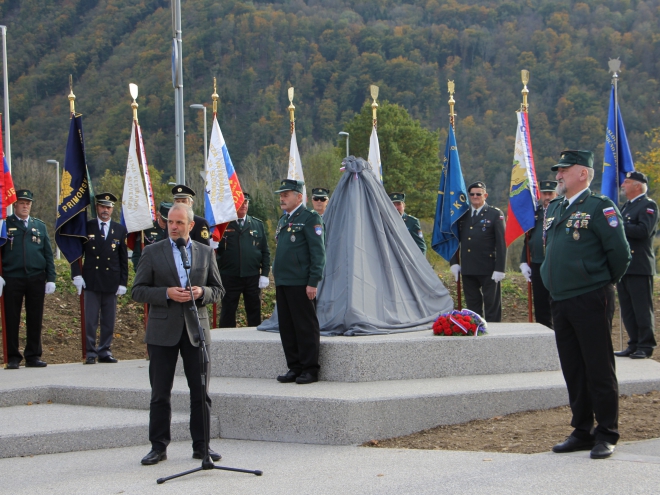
374,155
295,165
135,209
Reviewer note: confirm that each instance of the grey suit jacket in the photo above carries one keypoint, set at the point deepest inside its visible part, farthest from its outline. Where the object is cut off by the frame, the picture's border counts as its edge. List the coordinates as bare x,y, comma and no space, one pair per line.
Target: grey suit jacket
156,272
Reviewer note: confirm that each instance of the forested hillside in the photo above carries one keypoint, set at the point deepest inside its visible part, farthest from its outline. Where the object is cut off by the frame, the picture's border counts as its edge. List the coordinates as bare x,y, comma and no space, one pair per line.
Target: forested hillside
331,51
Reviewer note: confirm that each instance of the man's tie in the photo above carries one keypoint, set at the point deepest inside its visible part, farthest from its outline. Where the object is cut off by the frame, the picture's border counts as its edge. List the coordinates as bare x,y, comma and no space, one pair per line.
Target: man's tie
25,222
240,223
103,229
474,213
564,206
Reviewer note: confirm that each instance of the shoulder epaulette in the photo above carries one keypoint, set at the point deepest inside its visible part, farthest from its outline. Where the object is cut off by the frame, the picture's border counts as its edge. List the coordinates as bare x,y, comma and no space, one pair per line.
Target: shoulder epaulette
257,219
38,220
600,196
557,198
414,218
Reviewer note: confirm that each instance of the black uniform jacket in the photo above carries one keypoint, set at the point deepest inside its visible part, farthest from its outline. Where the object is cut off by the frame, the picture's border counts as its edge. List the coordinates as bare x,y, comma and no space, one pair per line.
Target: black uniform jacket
482,249
640,220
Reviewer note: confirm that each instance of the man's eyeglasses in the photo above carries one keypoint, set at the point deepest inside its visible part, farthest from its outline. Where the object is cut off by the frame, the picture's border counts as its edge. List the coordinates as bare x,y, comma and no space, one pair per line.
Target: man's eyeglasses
323,200
476,194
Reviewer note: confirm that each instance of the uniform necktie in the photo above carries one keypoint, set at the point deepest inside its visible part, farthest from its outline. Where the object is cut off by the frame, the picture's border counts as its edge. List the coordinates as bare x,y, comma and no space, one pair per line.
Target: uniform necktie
564,205
474,213
240,223
25,222
103,229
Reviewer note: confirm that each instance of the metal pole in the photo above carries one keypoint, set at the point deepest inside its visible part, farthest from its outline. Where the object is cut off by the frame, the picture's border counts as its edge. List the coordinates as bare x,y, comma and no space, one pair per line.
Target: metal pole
343,133
5,78
57,196
177,81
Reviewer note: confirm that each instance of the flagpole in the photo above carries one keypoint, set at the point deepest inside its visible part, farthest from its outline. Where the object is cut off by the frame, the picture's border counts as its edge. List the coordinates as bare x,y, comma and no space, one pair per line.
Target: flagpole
374,105
524,107
292,109
214,97
452,123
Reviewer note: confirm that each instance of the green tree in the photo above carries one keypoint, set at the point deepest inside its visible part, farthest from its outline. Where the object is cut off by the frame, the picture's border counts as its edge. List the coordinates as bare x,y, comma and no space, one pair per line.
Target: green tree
649,161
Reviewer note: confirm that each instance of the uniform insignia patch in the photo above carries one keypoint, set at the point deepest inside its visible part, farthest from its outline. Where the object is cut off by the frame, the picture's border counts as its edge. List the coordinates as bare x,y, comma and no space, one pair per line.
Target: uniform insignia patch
205,233
419,233
318,229
650,211
610,215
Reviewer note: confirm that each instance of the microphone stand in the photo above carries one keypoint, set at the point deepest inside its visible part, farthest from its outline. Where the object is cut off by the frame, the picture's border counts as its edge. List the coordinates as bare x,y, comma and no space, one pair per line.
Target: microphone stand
207,462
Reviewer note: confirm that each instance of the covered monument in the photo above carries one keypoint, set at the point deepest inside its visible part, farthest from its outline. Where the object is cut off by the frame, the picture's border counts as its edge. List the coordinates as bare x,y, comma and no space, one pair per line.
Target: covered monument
376,279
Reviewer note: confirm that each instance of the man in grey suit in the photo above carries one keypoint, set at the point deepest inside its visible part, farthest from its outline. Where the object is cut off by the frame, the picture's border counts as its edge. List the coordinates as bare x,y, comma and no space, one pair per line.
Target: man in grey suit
161,282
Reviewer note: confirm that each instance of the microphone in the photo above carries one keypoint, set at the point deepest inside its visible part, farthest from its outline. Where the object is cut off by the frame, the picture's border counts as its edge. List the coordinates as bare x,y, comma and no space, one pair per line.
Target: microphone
181,244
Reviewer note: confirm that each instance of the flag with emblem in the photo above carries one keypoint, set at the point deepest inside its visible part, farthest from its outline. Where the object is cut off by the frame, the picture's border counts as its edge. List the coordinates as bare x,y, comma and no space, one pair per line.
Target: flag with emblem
7,192
223,195
618,157
75,195
295,171
451,203
523,191
374,154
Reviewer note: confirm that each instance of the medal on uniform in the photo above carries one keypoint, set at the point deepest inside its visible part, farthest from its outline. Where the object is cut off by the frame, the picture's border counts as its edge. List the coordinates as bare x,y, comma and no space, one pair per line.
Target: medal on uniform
569,223
293,237
576,235
577,224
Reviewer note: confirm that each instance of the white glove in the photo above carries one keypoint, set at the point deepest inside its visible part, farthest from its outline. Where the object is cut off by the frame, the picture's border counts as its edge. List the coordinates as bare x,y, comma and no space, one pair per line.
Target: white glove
121,290
50,287
2,285
526,271
455,269
79,283
498,276
264,282
214,244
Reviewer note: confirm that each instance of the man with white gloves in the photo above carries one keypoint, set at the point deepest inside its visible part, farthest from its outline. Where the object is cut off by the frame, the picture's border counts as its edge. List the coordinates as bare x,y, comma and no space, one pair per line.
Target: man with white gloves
28,271
104,277
244,261
482,255
532,270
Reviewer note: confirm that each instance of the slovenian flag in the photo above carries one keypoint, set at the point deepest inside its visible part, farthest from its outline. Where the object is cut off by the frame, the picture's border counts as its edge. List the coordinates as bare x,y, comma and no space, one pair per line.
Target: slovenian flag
222,194
7,192
618,157
523,193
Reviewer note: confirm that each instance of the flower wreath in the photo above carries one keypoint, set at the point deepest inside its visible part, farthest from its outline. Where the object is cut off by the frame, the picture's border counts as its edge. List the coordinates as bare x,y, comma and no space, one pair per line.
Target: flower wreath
459,323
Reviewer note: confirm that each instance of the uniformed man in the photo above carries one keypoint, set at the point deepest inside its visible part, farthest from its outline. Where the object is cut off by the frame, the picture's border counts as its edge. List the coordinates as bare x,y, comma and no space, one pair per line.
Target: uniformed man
482,254
201,231
298,268
640,219
412,223
586,252
104,277
157,233
320,196
532,271
244,261
28,270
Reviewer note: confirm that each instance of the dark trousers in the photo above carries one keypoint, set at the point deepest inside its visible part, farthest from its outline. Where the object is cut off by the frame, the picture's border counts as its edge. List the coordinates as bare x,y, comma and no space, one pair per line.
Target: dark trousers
583,327
482,293
162,365
299,328
99,306
33,289
636,298
541,297
235,286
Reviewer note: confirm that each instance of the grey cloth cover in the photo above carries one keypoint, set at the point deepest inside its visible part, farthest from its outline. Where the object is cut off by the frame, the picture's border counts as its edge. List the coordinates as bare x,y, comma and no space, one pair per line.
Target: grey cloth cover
376,279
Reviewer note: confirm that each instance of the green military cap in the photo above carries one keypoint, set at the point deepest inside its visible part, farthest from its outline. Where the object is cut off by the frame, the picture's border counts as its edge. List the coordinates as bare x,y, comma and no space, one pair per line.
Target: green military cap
291,185
479,184
638,176
25,194
106,199
397,197
164,209
547,185
575,157
246,196
182,191
320,192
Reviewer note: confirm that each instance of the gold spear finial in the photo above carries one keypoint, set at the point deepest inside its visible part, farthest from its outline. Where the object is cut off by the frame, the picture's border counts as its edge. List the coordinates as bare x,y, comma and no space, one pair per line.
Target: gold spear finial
374,105
72,97
524,75
452,102
292,109
134,94
214,96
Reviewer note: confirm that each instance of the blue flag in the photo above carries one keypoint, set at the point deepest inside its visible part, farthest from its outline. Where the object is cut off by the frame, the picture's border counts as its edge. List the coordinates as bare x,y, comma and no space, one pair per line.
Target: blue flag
75,197
452,201
613,162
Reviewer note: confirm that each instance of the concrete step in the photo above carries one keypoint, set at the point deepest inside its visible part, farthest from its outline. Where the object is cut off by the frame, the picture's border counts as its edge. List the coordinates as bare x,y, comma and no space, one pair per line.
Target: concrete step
507,348
53,428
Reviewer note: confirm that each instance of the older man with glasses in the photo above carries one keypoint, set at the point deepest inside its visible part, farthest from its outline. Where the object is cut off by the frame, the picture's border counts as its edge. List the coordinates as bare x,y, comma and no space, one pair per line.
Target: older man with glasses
320,196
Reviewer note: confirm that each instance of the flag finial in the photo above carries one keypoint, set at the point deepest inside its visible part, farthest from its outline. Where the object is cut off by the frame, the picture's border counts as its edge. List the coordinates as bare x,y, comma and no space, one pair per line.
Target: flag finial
374,105
452,102
214,96
292,109
72,97
133,88
524,75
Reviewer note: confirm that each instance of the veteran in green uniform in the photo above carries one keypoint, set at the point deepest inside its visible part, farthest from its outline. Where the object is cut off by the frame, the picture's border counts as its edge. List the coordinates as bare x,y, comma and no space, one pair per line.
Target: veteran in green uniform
412,223
586,252
531,268
243,258
297,269
28,271
640,220
156,233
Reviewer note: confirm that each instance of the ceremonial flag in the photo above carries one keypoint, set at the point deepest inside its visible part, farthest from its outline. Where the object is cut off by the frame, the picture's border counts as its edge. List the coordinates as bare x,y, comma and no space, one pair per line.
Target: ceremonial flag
136,211
222,193
523,192
618,157
374,155
7,192
452,201
295,165
75,196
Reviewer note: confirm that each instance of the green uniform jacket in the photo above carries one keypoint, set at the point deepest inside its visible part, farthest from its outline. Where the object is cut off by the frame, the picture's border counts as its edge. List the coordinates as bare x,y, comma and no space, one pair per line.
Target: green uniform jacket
482,244
244,252
27,252
581,258
415,231
300,252
535,240
151,236
640,220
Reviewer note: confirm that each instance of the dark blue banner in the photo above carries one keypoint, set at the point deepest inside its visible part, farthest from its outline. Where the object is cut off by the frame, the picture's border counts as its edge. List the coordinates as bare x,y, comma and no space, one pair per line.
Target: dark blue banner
618,157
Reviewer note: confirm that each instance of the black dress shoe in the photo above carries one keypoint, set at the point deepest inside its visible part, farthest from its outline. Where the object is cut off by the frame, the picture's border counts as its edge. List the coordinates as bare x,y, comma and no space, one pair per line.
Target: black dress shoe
35,363
154,457
638,354
215,457
306,378
13,365
90,360
290,377
573,444
107,359
625,353
602,450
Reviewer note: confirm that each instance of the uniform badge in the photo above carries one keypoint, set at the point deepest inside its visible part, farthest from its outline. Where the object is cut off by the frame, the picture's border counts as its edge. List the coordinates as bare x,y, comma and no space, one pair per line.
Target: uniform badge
205,233
419,233
576,235
293,238
548,223
569,223
650,211
577,224
610,215
318,229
